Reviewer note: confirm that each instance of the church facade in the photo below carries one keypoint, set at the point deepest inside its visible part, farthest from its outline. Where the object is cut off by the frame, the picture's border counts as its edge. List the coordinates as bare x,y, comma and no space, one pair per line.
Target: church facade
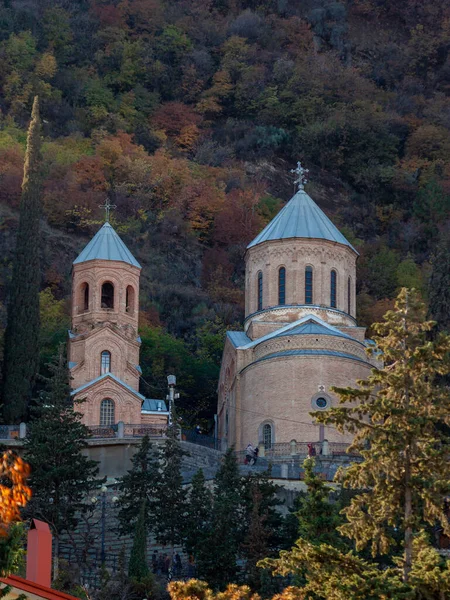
300,334
103,349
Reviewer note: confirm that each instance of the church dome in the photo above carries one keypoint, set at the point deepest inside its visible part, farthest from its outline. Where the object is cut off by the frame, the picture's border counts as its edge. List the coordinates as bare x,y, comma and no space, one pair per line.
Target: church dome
106,245
301,218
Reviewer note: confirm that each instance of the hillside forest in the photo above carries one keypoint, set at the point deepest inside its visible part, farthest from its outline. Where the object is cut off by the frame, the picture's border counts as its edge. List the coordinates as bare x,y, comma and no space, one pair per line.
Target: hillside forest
188,115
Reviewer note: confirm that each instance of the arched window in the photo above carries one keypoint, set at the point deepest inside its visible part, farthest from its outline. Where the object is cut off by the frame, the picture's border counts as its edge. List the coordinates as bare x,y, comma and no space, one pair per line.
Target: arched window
260,291
107,295
349,295
129,300
308,285
282,286
83,301
105,362
267,436
333,278
107,412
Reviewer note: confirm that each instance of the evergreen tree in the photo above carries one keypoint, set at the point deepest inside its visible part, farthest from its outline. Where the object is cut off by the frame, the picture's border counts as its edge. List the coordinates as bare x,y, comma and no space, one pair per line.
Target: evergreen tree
21,357
256,543
169,504
137,486
439,286
217,556
61,476
137,567
317,517
396,418
268,503
198,514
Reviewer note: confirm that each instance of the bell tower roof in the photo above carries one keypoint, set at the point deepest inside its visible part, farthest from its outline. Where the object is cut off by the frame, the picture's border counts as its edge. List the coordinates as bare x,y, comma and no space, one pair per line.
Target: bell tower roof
106,245
301,218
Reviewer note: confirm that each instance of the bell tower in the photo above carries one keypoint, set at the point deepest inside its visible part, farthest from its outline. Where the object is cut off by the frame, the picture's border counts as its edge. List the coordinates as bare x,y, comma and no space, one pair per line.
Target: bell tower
104,342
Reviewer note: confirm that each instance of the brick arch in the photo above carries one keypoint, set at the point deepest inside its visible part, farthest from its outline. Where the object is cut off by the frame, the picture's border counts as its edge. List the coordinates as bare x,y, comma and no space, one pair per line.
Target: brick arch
118,355
127,408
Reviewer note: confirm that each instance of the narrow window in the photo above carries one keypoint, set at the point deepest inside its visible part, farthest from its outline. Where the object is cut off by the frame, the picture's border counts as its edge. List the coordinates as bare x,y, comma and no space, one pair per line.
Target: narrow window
83,299
349,295
333,278
282,286
107,412
129,300
267,436
105,362
86,297
107,295
308,285
260,291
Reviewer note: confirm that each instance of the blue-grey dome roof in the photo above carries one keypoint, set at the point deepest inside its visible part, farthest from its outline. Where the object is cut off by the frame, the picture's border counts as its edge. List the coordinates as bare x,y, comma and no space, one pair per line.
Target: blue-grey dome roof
301,218
106,245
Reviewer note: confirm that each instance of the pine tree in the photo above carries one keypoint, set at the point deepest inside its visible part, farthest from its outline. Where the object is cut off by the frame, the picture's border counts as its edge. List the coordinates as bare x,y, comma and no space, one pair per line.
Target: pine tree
137,567
198,514
61,476
396,418
169,503
218,555
21,358
439,286
136,486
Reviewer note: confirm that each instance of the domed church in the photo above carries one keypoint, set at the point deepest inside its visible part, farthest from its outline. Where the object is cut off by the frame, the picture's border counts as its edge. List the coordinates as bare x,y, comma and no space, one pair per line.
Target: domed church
300,334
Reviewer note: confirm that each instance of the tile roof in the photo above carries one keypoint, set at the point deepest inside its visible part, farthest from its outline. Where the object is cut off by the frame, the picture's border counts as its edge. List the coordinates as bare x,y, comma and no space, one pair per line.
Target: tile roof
151,405
100,378
314,328
106,245
238,338
312,322
301,218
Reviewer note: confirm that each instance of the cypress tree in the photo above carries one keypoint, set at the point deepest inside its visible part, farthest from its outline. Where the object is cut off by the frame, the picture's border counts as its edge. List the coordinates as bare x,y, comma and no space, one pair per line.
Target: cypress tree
137,567
61,476
21,357
198,514
137,486
218,555
256,543
169,502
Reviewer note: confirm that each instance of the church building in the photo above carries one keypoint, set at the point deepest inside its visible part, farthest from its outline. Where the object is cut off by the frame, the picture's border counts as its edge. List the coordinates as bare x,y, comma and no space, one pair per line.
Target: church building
103,341
300,334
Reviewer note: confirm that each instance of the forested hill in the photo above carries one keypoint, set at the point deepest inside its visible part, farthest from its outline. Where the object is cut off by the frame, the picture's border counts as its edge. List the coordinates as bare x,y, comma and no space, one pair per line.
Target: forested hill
190,114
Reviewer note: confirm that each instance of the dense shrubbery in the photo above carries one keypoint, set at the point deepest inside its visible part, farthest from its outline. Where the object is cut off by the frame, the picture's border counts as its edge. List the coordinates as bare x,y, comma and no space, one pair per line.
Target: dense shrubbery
189,115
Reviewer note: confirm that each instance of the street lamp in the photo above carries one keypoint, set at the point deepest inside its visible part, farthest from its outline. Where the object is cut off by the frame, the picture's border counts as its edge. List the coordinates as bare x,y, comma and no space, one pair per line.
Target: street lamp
94,501
171,381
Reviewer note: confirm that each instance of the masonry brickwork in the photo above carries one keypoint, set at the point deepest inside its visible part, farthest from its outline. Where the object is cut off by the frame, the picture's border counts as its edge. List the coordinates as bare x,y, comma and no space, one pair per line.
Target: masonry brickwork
295,346
105,316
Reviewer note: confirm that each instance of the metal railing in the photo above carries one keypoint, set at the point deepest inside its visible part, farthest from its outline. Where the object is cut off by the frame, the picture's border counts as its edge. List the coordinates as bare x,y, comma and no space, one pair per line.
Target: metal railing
139,430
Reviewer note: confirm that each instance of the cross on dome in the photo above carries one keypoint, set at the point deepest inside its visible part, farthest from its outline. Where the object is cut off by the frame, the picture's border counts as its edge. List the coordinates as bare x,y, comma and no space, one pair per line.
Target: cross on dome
300,180
107,206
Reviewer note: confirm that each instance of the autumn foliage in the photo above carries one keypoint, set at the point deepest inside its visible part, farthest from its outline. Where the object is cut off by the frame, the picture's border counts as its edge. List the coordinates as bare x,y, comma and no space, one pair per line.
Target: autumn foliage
14,492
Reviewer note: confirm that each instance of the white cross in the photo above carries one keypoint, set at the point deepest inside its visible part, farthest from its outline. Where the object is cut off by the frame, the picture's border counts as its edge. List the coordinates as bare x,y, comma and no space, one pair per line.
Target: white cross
107,206
301,175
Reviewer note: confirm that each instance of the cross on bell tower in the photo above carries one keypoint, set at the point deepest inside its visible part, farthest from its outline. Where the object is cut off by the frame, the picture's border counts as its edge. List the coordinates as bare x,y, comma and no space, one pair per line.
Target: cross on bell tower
300,180
107,208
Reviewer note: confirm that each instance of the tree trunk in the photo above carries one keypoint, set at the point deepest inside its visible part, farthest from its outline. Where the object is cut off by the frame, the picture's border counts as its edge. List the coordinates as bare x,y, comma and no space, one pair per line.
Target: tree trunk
56,558
408,523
